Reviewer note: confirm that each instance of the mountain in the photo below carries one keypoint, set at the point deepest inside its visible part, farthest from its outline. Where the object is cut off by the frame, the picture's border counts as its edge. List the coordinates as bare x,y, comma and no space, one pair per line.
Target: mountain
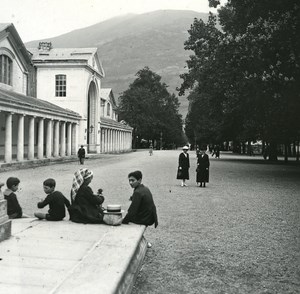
128,43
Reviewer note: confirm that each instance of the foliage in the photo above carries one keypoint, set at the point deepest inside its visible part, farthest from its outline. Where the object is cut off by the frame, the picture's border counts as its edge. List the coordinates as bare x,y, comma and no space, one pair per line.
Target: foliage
249,72
150,109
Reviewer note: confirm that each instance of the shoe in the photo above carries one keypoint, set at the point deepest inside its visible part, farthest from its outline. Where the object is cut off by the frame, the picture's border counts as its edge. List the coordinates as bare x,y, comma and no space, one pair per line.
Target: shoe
185,185
149,245
181,185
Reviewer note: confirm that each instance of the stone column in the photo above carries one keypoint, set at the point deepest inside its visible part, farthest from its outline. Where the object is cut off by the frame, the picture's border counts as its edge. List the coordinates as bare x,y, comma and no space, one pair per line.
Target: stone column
40,152
20,144
69,135
74,139
63,139
8,138
56,139
31,138
49,139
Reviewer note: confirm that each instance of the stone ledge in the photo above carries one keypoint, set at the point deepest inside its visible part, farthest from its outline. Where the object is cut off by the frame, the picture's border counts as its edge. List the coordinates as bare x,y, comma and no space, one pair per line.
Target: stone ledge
5,230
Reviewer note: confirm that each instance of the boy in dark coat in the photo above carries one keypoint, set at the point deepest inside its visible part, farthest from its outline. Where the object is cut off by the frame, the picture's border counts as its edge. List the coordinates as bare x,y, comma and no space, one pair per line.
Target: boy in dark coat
81,154
142,209
14,209
56,201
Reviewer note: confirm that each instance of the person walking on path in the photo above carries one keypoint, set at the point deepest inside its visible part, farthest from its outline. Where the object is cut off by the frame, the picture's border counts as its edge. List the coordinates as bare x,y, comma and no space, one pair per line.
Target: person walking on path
202,170
81,154
151,150
183,166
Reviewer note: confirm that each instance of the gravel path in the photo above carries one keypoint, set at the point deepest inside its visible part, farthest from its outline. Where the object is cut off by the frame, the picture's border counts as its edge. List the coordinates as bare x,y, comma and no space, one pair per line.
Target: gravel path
238,235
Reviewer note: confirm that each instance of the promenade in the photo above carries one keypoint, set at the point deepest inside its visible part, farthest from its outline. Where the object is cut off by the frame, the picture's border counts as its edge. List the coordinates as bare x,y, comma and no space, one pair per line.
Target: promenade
238,235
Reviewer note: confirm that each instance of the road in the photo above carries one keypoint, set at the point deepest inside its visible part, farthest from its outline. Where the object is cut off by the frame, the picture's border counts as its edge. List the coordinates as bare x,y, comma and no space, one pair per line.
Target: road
240,234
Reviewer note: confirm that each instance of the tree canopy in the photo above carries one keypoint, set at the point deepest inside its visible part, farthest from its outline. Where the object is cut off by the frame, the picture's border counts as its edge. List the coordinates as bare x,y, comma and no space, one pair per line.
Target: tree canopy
244,79
150,109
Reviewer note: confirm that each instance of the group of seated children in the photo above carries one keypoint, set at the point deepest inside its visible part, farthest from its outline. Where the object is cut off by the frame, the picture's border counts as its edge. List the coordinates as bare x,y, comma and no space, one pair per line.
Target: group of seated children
86,207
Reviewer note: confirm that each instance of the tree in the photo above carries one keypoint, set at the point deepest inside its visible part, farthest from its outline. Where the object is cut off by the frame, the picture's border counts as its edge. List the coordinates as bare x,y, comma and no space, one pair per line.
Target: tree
150,109
249,71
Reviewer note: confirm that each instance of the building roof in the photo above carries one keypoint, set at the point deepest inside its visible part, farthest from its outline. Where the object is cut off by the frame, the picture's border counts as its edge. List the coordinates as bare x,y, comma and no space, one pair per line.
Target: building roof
62,53
104,121
17,100
105,92
9,27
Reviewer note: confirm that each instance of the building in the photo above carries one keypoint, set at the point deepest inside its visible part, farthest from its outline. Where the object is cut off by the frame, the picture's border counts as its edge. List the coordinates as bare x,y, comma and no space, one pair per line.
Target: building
29,127
51,102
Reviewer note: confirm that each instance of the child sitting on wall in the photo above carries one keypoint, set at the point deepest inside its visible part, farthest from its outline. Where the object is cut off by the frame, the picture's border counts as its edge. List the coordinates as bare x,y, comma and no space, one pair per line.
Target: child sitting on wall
14,209
56,201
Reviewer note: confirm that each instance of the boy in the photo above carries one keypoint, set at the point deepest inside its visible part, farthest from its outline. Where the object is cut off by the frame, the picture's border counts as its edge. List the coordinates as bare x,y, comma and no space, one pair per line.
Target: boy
142,209
56,200
14,209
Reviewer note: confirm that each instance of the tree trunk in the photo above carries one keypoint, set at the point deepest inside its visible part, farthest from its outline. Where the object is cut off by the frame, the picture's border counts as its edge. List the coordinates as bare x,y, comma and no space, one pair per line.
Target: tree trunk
249,151
273,151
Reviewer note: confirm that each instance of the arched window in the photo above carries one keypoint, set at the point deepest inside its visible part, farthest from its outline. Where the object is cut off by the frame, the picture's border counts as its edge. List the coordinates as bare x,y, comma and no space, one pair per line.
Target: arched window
5,69
60,85
108,109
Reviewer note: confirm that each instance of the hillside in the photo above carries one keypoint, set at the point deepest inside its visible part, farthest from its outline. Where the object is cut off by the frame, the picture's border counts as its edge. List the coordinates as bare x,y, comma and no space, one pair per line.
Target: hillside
128,43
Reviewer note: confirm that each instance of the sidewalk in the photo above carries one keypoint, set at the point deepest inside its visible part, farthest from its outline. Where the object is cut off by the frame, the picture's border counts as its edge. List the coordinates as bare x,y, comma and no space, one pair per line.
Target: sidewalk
65,257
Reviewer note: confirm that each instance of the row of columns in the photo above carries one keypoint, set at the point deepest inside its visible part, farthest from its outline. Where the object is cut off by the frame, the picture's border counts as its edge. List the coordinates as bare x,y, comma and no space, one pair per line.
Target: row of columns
63,143
115,140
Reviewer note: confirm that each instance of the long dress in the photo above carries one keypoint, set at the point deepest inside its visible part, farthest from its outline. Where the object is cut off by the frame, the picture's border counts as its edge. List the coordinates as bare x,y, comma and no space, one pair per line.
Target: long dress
202,169
86,207
184,163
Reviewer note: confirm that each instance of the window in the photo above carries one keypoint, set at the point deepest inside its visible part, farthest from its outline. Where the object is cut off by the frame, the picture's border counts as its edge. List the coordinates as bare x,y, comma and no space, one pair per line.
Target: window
102,107
108,109
60,86
5,69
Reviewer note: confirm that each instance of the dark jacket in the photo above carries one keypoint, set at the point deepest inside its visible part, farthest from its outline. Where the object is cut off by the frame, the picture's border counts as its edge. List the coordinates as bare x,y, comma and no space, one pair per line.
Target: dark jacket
81,153
202,168
14,209
57,202
142,209
86,207
184,163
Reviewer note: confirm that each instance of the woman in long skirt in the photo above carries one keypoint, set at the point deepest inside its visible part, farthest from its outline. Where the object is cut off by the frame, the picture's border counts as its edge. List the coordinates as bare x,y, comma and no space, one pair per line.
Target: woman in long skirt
183,166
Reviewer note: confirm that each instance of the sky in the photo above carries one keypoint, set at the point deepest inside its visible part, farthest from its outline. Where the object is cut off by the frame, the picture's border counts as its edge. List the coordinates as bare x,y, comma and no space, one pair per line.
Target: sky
38,19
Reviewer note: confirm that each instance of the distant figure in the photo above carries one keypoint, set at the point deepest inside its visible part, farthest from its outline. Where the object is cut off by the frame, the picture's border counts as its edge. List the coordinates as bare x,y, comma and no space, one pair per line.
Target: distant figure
14,209
266,152
151,150
183,166
202,168
142,209
81,154
216,151
56,201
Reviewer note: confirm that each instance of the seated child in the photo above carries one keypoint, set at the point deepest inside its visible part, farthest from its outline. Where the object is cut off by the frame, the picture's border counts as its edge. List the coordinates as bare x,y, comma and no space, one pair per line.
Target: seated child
14,209
56,200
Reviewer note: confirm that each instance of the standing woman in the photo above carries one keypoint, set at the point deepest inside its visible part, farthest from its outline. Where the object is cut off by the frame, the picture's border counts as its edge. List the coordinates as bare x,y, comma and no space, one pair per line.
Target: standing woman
202,168
183,166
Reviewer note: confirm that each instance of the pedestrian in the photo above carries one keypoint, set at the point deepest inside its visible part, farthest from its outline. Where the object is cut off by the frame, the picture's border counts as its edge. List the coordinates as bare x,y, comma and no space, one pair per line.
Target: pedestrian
183,166
86,206
14,210
151,150
56,201
81,154
142,209
202,170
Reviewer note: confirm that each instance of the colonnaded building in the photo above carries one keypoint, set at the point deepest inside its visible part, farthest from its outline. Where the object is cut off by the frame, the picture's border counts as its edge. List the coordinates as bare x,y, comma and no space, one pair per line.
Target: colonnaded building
51,102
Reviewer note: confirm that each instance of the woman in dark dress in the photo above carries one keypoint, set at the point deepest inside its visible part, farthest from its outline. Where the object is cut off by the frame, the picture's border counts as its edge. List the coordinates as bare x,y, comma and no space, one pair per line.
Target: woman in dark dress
202,168
86,206
183,166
